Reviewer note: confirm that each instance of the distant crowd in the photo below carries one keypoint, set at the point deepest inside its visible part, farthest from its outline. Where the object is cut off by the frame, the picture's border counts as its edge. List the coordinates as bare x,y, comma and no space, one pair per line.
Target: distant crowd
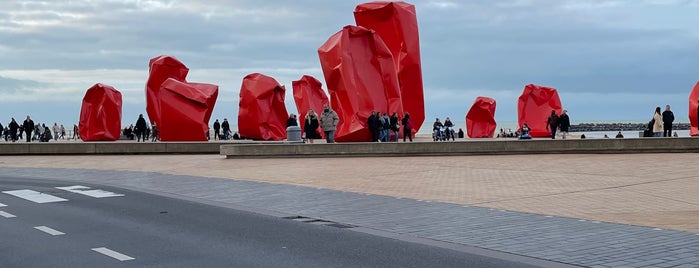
29,131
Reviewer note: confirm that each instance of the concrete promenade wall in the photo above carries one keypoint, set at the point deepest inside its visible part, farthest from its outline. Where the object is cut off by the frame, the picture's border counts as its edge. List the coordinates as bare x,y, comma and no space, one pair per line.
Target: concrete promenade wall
471,147
73,148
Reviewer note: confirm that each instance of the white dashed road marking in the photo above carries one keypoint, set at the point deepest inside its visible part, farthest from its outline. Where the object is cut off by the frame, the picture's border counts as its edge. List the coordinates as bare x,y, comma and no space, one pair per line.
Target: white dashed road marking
6,215
49,230
2,205
84,190
35,196
113,254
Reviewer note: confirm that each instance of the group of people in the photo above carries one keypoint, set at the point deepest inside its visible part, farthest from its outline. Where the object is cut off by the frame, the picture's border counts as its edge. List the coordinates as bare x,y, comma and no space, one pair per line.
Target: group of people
30,131
312,123
661,123
558,123
443,131
141,131
384,128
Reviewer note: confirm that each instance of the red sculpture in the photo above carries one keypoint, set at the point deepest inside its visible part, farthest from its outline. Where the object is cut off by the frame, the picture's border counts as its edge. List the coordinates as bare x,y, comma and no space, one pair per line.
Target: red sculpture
262,114
693,106
480,119
161,68
361,76
185,110
309,94
534,107
396,23
100,114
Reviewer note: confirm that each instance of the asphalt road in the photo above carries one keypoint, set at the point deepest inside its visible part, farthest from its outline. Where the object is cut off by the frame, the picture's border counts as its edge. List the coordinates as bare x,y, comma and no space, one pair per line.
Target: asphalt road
134,229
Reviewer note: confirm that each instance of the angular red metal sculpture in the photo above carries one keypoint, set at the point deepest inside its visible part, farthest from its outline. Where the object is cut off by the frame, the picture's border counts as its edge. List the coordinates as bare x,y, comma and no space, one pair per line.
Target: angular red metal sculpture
161,68
262,113
534,107
693,106
185,110
100,114
361,76
396,23
480,119
309,94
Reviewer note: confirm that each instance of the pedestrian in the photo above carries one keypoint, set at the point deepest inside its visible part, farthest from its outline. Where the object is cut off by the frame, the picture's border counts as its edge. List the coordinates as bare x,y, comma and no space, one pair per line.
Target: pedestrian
63,132
449,129
372,123
328,122
141,127
55,129
2,131
226,128
437,130
217,130
13,130
552,123
291,121
668,118
395,127
310,126
28,126
407,127
154,132
385,128
564,123
619,135
657,123
76,134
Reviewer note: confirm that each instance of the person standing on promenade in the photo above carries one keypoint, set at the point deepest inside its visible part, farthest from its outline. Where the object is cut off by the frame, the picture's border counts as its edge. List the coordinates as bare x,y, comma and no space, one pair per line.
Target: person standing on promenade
217,130
394,126
154,132
564,123
372,123
552,123
407,127
13,130
657,123
226,128
76,134
63,132
668,118
310,125
55,129
328,122
28,126
141,126
291,121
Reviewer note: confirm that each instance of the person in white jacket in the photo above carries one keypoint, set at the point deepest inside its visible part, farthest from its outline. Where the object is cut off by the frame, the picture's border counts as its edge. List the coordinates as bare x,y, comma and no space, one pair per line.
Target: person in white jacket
658,125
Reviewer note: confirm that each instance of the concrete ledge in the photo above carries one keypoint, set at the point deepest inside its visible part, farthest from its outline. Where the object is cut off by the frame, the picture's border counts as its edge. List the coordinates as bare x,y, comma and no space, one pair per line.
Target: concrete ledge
471,147
76,148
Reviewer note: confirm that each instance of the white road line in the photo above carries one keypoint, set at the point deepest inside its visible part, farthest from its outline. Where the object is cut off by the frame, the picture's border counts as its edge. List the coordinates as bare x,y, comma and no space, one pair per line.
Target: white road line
49,230
2,205
113,254
97,193
6,215
35,196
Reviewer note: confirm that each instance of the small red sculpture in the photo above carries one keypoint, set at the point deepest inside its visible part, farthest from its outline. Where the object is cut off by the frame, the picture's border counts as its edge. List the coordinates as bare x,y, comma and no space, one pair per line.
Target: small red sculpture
262,113
534,107
480,119
100,114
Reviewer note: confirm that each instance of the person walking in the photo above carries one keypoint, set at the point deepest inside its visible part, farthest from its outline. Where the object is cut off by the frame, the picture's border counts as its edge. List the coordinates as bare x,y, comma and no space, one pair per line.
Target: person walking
564,123
394,126
217,130
328,122
76,134
55,129
63,132
310,125
668,118
657,123
13,129
372,123
141,127
407,127
154,133
552,123
28,126
226,129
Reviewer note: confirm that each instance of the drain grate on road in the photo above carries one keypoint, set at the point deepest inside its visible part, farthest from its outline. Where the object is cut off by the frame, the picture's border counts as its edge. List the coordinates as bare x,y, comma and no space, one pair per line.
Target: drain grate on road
319,222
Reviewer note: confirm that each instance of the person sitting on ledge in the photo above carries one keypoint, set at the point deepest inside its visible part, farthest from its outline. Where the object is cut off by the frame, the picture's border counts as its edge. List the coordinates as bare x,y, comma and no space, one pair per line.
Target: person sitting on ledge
619,135
524,132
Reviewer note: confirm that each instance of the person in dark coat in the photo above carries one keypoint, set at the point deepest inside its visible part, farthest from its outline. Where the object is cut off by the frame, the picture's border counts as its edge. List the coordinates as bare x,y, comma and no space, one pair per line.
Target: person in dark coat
291,121
552,123
373,124
226,128
310,126
407,127
668,118
395,127
141,127
564,123
13,130
217,130
28,126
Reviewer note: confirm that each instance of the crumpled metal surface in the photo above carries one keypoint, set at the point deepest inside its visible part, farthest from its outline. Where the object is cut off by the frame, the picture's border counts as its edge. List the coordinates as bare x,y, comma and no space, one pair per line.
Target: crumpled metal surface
161,68
693,105
185,110
361,76
480,119
100,114
309,94
262,113
534,107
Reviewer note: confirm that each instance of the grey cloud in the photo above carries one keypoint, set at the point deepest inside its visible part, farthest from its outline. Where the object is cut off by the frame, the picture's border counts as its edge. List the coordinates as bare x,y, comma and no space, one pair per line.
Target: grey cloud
10,85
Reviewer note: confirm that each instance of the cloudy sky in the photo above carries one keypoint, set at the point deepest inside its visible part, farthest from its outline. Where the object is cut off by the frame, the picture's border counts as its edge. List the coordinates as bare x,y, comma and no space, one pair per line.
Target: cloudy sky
611,60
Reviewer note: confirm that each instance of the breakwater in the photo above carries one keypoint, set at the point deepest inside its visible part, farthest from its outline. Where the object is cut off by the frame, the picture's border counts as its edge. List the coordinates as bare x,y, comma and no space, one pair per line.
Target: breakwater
587,127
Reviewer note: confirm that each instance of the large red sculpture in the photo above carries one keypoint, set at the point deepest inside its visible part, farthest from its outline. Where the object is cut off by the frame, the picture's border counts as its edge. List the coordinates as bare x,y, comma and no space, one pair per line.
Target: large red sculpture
480,119
361,76
396,23
100,114
185,110
309,94
161,68
262,114
693,106
534,107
